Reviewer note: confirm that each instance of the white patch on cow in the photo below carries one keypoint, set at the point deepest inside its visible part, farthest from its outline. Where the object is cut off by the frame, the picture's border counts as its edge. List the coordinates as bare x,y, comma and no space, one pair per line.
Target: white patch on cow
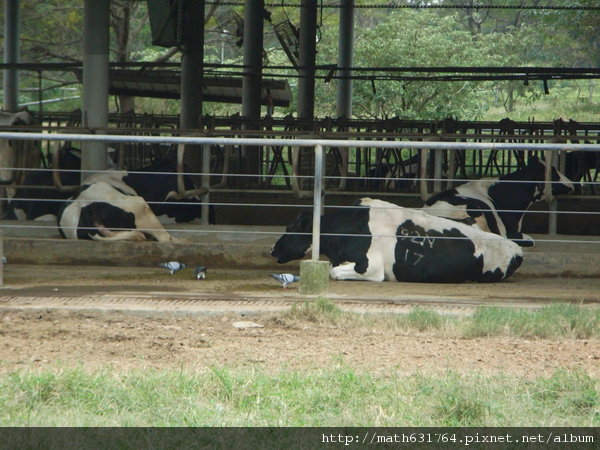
564,180
346,271
20,214
101,191
44,218
475,189
385,218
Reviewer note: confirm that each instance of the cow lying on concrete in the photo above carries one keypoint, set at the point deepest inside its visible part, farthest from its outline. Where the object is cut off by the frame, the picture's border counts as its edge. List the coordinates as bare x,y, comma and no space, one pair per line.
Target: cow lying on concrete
381,241
37,203
113,205
497,205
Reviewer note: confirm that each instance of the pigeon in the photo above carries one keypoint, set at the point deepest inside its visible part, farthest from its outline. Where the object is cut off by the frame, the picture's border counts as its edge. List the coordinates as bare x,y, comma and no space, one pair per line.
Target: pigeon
173,266
285,278
200,272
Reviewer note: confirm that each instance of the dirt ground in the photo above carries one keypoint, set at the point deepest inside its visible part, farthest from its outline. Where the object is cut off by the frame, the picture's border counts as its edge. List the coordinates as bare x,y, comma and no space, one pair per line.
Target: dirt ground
55,337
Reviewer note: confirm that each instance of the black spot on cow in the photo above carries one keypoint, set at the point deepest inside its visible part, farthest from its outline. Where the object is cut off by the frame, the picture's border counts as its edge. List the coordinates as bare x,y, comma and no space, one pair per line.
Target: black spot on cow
156,181
100,218
345,237
418,250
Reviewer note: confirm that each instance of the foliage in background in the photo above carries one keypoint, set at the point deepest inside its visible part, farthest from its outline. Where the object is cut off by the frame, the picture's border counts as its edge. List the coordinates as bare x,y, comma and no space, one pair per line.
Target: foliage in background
465,36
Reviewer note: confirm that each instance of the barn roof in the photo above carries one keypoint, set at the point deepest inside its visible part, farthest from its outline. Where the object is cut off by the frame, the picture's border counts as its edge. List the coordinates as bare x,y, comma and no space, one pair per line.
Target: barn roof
167,83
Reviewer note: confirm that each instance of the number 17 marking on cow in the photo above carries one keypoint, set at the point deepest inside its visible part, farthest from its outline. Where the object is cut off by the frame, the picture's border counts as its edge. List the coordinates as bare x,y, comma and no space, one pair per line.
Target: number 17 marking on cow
418,255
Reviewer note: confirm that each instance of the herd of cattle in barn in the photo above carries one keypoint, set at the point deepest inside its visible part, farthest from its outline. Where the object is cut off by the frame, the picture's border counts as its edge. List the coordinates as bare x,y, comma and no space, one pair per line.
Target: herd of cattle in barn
468,233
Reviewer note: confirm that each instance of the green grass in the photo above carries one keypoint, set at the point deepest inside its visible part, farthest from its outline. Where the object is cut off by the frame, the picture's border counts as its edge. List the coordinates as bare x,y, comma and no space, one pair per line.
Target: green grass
551,322
333,396
555,321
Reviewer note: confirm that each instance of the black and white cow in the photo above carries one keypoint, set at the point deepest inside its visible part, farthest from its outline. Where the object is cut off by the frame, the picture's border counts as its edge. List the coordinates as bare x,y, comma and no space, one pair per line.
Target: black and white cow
118,205
381,241
497,205
37,203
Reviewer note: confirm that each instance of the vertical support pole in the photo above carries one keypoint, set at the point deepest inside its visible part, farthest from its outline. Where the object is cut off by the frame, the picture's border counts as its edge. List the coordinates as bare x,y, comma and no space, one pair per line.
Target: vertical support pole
314,274
451,168
306,59
253,47
437,170
424,153
344,87
205,183
317,203
95,82
252,80
550,158
191,64
345,59
1,258
11,55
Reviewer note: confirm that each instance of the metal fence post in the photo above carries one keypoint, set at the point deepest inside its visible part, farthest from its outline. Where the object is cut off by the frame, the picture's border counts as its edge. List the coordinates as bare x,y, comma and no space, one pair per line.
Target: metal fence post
205,183
317,204
1,258
314,274
550,158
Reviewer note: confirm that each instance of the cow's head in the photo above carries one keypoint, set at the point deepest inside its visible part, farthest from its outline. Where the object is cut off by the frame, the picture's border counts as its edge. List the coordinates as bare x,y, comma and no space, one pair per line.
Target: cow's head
296,240
535,172
560,183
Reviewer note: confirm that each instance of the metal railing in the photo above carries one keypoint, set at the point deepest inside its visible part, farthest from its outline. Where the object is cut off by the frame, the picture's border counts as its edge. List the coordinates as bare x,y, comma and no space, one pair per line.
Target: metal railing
550,151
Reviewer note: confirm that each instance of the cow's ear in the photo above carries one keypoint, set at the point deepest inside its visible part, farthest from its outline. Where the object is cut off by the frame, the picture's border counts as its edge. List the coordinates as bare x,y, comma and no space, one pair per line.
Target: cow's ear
534,160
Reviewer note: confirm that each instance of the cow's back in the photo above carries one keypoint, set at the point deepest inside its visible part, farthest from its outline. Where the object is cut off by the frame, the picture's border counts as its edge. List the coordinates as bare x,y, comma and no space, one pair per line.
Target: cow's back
415,246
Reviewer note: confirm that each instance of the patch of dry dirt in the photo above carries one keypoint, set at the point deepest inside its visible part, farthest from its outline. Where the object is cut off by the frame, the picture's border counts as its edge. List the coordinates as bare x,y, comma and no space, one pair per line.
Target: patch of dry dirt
56,337
66,339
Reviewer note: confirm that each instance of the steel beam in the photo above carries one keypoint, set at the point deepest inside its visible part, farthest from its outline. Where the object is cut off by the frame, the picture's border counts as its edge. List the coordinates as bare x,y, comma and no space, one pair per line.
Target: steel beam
95,82
345,59
306,61
11,55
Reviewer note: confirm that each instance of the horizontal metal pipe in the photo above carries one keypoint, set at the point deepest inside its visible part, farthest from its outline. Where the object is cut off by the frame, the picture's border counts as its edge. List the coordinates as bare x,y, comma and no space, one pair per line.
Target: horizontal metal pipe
302,142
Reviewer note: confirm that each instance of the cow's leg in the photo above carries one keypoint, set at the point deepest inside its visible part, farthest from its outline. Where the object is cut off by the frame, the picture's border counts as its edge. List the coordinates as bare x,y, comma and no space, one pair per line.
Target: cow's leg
347,271
129,235
146,221
524,240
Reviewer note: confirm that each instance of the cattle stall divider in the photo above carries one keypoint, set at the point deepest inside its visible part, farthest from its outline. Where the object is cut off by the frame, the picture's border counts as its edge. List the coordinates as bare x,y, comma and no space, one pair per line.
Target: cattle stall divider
549,150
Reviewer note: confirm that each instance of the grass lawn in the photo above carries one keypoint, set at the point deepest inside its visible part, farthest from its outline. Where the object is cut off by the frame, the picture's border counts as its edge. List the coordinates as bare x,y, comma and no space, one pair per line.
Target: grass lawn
335,395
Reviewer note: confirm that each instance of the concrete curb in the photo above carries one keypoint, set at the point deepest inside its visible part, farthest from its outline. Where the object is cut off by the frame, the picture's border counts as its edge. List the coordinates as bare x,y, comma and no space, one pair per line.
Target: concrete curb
240,255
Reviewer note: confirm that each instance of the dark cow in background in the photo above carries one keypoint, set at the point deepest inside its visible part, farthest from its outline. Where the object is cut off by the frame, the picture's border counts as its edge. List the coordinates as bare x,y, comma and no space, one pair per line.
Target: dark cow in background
497,205
31,203
381,241
113,205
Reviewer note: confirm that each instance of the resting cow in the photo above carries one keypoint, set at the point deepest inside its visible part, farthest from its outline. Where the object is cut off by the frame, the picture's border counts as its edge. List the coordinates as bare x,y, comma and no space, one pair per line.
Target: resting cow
37,203
117,205
497,205
382,241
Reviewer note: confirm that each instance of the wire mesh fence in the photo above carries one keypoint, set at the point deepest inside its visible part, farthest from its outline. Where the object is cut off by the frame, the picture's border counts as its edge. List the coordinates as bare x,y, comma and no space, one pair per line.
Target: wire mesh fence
423,181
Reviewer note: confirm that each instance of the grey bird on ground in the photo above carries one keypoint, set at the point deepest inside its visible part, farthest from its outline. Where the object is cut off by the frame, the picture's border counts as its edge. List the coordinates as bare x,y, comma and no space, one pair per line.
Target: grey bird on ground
200,272
173,266
285,278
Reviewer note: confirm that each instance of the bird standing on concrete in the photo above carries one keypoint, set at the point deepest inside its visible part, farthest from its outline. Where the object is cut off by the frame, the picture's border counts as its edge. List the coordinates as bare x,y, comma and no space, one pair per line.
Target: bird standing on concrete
285,278
200,272
173,266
